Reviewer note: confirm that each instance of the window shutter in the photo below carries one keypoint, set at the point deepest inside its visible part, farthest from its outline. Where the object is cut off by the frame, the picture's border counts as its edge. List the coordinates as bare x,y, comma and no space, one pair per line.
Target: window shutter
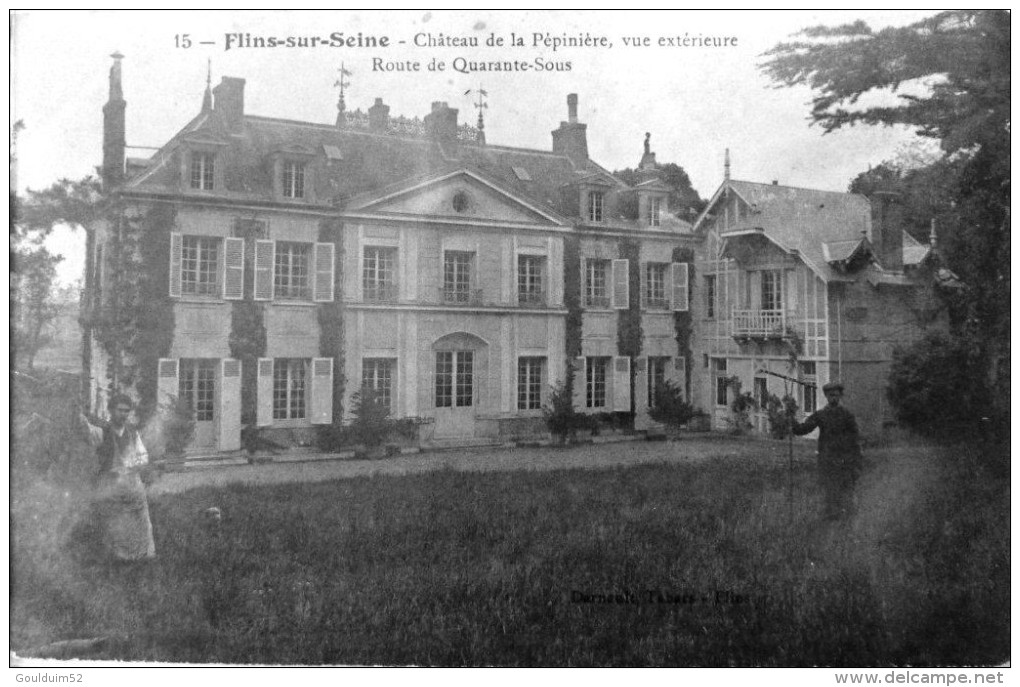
167,386
678,375
233,269
229,411
265,256
264,399
323,272
621,284
580,380
643,278
640,385
621,384
679,286
176,248
322,391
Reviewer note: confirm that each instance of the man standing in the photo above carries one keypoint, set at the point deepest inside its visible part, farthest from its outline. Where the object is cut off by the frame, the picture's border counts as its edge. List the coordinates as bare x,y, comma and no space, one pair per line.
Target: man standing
120,503
839,451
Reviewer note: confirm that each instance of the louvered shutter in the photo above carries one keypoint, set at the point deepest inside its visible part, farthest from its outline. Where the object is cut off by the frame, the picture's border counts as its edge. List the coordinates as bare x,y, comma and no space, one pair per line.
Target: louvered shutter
264,399
640,384
265,254
323,272
580,382
621,284
233,269
176,248
643,279
679,288
322,391
167,386
678,375
621,384
229,410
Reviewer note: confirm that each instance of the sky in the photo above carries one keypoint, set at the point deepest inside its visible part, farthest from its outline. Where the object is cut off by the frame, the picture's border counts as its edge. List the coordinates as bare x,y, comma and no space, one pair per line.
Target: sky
696,101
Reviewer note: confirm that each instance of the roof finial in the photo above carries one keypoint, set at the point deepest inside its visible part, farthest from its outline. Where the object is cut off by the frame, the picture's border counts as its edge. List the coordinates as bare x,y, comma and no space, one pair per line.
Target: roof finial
340,104
481,105
116,88
207,104
726,166
648,142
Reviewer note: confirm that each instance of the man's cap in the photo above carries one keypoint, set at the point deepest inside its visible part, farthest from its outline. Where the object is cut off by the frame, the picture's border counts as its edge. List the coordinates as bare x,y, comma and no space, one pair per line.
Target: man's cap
832,386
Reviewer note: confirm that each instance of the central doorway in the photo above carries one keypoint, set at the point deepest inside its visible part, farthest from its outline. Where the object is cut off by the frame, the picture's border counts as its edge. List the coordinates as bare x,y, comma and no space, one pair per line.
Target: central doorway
198,389
458,359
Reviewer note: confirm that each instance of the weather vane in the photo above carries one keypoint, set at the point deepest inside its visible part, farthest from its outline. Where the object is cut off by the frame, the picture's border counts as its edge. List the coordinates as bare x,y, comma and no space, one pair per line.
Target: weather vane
342,83
481,105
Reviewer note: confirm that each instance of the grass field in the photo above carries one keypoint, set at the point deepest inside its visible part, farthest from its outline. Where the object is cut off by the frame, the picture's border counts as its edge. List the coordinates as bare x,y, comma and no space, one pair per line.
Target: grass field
659,565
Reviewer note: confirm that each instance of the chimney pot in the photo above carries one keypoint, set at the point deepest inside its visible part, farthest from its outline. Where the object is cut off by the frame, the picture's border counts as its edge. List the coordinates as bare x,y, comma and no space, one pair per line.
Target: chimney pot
775,182
379,116
572,108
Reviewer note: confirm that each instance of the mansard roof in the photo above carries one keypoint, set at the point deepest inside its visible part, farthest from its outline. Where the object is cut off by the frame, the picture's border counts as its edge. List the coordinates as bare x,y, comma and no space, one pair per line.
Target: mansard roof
353,160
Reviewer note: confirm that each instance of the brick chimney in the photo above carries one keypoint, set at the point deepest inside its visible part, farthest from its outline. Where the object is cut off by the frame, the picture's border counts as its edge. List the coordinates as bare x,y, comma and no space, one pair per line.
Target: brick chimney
441,123
114,128
887,229
229,102
571,139
379,116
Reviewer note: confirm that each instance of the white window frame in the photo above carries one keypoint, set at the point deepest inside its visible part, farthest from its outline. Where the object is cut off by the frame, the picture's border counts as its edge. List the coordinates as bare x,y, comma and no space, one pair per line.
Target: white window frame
204,163
374,287
596,206
283,284
591,381
530,382
290,366
197,287
379,382
591,299
655,211
293,179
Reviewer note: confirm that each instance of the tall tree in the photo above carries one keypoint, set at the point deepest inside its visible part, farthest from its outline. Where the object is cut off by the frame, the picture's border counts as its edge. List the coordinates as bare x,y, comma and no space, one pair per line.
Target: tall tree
956,67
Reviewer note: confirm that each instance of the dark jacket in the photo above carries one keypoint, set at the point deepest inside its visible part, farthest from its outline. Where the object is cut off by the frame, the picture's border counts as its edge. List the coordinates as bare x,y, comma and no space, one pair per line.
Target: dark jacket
113,447
838,438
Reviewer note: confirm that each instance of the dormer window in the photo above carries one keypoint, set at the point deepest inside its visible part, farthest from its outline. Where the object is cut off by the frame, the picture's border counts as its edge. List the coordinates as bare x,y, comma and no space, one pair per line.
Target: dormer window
293,180
654,211
202,171
596,205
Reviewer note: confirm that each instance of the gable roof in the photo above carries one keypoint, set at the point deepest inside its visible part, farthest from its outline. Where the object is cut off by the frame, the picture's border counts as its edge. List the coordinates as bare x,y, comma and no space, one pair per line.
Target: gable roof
801,220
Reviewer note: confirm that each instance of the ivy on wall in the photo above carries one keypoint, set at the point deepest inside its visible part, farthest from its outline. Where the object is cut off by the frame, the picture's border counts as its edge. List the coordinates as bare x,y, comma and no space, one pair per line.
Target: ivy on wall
331,317
683,322
628,324
135,322
572,301
248,340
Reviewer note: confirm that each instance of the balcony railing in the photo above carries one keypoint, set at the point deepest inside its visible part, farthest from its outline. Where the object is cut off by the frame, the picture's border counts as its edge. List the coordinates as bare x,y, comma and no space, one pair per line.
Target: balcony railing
758,323
381,293
453,296
533,298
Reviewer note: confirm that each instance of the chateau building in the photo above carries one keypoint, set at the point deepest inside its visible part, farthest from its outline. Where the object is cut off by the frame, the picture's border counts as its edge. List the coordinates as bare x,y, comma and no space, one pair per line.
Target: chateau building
263,271
460,280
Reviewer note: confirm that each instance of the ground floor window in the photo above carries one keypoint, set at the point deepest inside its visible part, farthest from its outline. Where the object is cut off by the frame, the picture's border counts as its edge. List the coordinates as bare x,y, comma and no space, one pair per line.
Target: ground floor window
290,388
377,374
657,367
454,379
529,383
761,392
808,375
197,387
721,381
595,382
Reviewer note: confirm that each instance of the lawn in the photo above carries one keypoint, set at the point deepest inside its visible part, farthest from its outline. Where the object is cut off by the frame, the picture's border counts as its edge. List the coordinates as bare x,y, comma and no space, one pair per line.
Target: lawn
654,565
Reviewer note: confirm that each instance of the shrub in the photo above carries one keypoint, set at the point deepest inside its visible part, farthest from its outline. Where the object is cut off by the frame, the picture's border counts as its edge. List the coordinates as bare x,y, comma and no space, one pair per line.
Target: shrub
372,423
671,409
781,413
742,405
560,417
938,389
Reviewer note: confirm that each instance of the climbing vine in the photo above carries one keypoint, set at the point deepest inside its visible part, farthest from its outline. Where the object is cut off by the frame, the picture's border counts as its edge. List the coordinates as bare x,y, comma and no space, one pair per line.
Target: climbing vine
683,321
572,301
331,317
135,321
247,340
628,324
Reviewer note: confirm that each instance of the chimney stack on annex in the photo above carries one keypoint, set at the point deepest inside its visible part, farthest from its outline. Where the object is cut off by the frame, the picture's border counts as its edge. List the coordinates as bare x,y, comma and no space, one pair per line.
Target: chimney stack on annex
228,104
114,128
379,116
887,229
571,139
